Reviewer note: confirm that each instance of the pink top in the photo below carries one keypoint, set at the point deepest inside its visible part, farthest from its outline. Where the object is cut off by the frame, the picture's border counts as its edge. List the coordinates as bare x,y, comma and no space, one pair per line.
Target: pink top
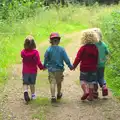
31,60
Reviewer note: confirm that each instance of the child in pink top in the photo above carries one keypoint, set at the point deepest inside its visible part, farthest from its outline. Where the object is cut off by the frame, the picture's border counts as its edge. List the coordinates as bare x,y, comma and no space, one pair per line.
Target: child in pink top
31,60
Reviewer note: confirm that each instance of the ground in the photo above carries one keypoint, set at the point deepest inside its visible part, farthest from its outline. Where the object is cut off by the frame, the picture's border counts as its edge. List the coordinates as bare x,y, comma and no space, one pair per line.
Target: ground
69,108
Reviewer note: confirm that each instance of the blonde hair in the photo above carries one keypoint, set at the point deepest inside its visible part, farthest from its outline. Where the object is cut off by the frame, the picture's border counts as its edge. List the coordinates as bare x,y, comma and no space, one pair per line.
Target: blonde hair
89,37
29,42
98,31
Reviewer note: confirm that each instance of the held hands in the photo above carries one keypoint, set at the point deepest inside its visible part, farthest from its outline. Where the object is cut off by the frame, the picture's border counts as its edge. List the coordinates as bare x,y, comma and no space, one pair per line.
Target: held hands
44,69
72,68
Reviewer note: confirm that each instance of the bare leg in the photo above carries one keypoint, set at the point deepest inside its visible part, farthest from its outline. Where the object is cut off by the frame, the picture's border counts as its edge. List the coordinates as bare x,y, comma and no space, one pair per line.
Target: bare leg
26,96
59,93
25,87
32,88
59,85
52,88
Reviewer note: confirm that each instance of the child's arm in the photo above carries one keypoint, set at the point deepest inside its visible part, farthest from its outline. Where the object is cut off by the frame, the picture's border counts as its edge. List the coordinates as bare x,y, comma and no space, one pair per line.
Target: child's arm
22,54
37,59
78,57
107,52
67,60
46,59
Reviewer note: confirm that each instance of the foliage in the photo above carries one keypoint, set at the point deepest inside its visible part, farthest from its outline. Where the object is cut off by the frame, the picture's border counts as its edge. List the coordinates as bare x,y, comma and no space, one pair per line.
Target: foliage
12,34
111,30
22,17
27,8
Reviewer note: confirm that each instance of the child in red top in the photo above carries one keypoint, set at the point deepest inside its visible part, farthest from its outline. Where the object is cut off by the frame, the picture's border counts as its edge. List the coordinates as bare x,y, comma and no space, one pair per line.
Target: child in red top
87,56
30,59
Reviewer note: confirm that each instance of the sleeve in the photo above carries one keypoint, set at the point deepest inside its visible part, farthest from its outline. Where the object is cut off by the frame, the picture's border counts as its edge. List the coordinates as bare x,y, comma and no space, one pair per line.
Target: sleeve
46,58
22,54
78,57
37,59
66,59
106,50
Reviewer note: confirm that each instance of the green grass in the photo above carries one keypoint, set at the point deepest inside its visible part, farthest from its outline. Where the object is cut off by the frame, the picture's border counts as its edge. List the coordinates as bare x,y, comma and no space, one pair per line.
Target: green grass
39,116
40,26
41,101
40,105
63,20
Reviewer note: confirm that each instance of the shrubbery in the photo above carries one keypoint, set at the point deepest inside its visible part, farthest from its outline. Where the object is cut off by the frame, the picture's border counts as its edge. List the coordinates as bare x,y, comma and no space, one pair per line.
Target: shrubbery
19,18
110,25
18,9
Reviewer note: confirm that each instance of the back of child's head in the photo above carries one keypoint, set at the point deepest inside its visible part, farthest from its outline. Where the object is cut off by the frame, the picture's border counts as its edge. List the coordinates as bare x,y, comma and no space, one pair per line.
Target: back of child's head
99,33
89,37
54,38
29,43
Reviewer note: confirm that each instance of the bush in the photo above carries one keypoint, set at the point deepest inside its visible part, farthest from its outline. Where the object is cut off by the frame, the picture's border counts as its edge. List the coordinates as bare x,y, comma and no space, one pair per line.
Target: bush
111,30
20,9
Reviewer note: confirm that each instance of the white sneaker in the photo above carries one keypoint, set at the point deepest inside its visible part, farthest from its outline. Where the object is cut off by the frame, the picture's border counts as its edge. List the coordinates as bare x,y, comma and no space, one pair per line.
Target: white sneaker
33,97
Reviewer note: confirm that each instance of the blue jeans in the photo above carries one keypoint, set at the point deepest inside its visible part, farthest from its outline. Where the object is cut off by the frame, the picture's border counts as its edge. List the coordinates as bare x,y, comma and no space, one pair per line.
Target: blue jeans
100,76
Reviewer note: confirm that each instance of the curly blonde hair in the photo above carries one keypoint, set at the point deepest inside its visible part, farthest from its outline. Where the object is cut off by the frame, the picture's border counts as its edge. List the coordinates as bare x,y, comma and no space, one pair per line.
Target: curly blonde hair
89,37
99,33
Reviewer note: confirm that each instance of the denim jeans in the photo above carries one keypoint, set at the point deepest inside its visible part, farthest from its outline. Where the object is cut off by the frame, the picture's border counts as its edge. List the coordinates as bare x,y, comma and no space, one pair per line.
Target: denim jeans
100,76
89,77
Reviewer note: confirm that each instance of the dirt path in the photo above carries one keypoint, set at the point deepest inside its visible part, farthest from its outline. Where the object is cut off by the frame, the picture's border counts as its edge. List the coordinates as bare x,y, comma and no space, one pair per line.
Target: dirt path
70,107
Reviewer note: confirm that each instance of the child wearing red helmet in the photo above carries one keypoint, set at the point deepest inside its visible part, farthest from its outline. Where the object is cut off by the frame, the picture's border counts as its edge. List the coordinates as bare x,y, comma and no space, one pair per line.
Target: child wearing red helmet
54,59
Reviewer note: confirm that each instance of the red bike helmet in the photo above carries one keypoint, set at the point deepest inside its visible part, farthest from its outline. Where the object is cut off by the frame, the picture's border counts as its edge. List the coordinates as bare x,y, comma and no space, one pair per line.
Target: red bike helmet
54,35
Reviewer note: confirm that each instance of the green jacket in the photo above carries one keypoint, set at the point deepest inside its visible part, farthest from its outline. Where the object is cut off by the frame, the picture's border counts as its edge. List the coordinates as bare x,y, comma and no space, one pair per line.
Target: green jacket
103,52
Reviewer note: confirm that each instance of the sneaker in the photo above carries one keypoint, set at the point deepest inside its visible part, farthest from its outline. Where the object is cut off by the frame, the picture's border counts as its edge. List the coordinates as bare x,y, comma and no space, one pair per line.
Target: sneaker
33,97
26,97
53,100
59,96
104,91
84,96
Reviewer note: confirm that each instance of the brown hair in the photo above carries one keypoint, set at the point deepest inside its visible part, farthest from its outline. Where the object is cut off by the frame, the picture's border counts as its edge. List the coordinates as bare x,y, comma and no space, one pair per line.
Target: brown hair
29,43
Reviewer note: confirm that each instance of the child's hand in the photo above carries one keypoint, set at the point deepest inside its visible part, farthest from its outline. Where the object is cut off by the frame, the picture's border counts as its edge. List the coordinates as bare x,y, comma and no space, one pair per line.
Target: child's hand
44,69
72,68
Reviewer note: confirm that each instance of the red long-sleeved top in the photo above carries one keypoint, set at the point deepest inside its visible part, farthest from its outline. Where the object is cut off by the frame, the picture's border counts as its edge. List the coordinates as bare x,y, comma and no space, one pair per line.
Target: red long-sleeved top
31,60
87,56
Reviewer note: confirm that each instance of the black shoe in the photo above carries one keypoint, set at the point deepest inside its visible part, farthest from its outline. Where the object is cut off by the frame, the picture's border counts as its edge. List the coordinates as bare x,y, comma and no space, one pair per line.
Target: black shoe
53,100
26,97
59,96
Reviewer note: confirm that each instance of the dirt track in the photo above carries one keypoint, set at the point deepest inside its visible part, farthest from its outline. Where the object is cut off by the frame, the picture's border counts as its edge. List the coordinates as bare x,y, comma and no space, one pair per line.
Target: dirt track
70,107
